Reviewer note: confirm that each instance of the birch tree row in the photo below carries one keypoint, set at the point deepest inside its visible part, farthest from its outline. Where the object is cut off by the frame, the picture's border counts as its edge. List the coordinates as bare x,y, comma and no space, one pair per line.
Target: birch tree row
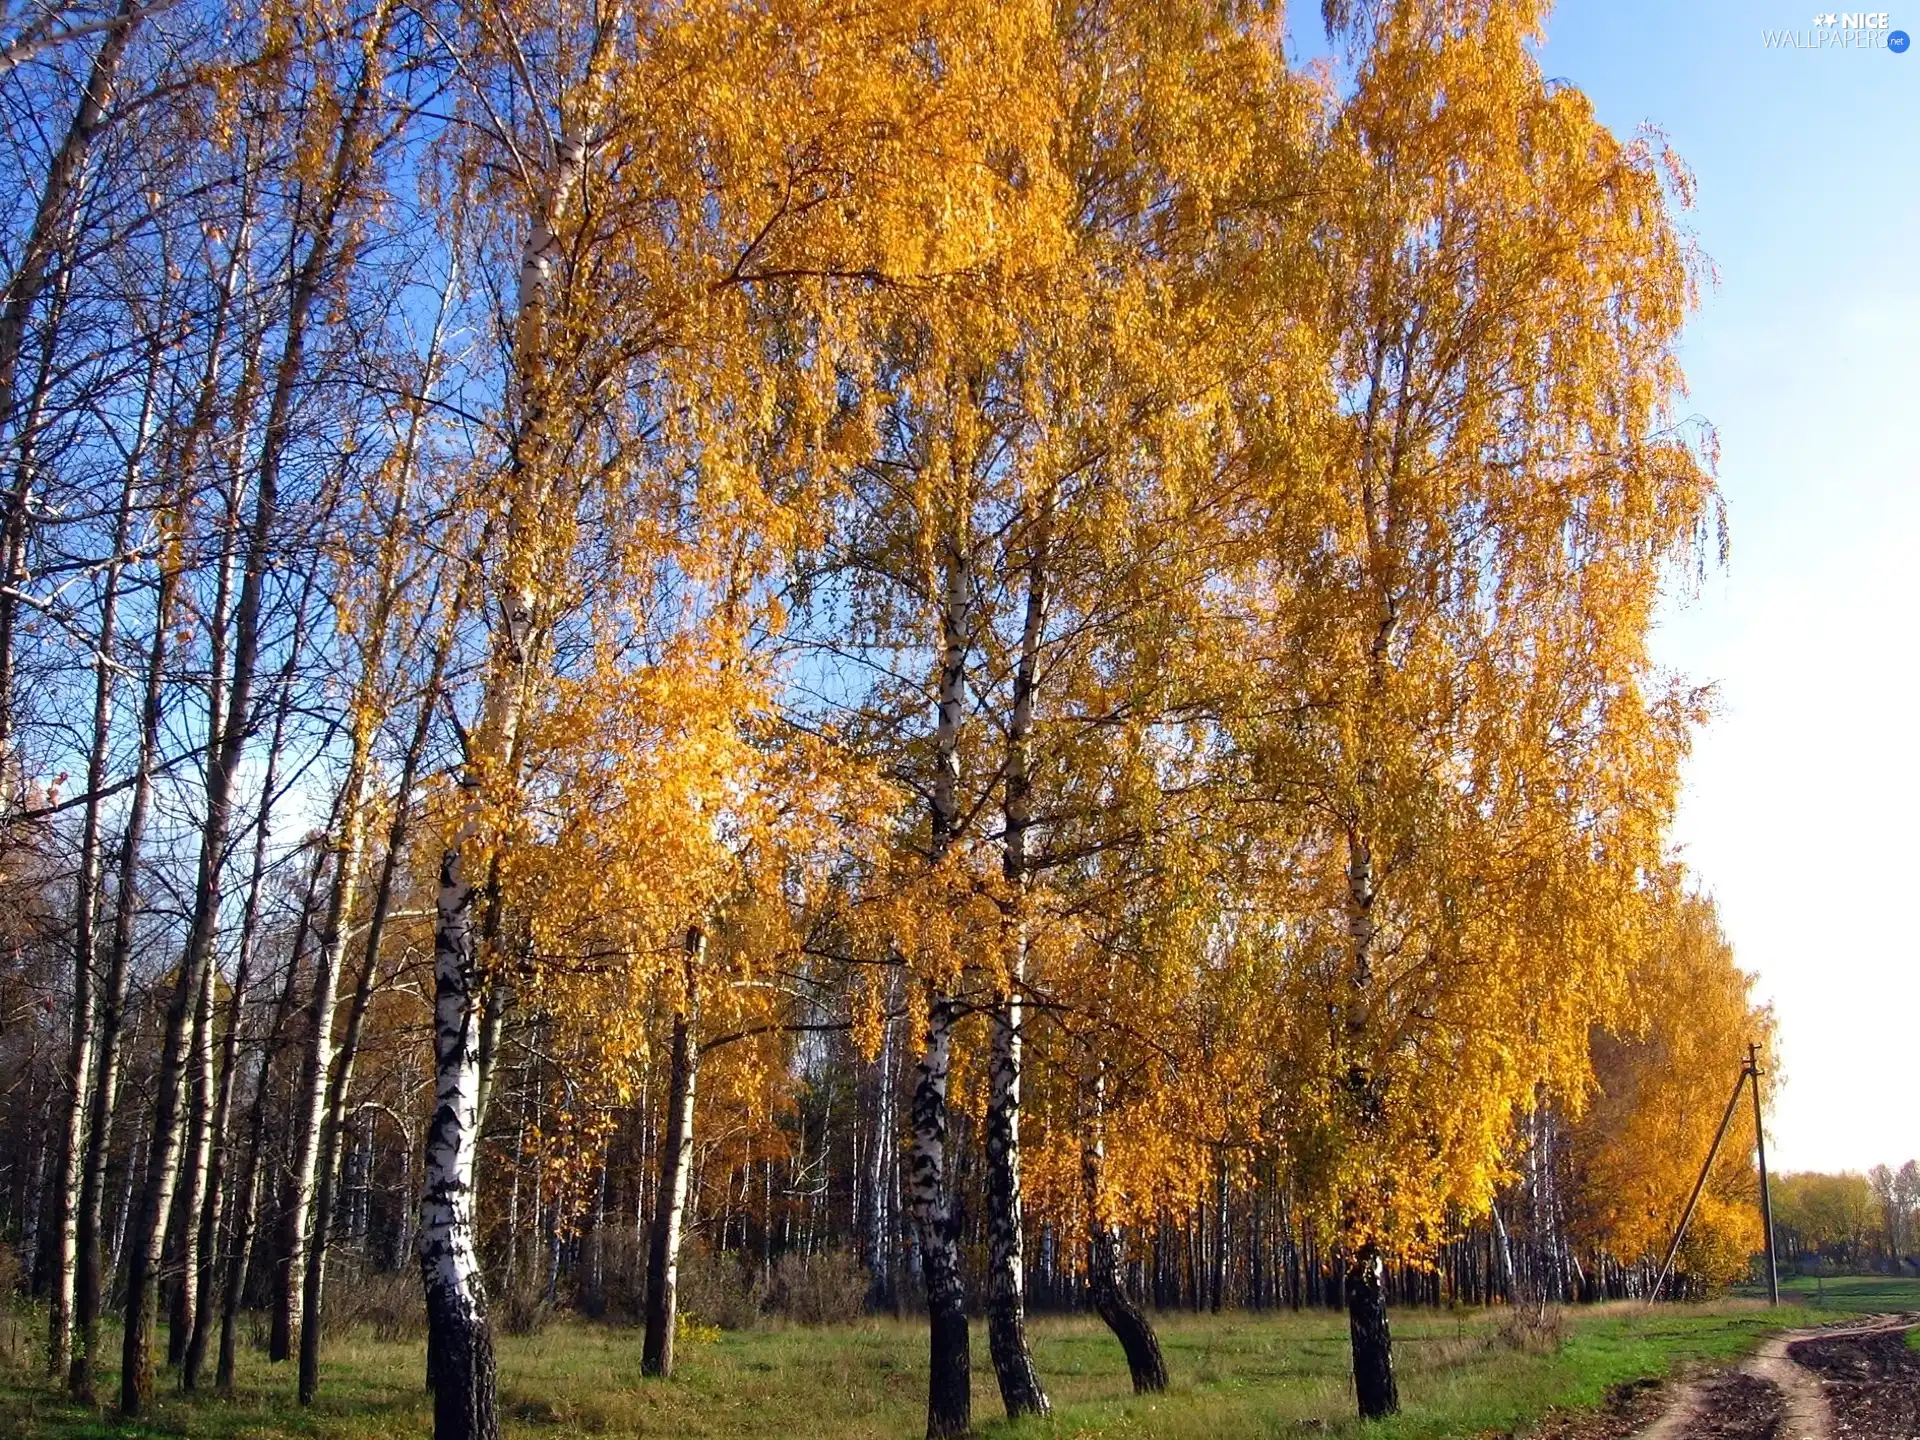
1010,638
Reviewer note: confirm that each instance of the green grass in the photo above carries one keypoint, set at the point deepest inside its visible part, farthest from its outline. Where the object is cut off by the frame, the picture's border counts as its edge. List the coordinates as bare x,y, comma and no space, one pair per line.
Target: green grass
1461,1374
1848,1294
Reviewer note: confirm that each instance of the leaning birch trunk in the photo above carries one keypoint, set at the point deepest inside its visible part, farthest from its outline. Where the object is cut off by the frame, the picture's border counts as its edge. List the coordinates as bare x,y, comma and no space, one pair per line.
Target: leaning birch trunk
1106,1253
880,1166
24,290
205,1276
136,1378
148,1229
30,276
1503,1246
460,1363
89,1282
299,1217
949,1378
67,1166
178,1252
326,1173
333,1083
297,1209
69,1178
247,1187
342,1077
676,1166
213,1212
197,964
333,1101
1020,1388
192,1195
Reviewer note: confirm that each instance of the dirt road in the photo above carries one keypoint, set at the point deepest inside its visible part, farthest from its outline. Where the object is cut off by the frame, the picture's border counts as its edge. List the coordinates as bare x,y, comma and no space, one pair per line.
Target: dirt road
1859,1382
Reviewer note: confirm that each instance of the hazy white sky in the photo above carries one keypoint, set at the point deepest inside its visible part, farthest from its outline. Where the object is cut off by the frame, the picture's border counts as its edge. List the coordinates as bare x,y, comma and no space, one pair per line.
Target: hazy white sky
1800,810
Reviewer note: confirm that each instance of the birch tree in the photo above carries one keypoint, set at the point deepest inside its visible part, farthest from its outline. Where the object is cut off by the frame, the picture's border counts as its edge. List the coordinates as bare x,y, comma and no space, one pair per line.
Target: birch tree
1512,500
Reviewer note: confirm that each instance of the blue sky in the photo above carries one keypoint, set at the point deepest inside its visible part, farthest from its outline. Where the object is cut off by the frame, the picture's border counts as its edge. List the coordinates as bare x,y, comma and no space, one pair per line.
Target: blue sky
1800,810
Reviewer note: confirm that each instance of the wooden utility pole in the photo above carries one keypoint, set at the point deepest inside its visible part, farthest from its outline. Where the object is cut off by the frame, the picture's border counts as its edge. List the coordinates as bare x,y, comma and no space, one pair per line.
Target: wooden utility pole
1699,1185
1766,1199
1750,1070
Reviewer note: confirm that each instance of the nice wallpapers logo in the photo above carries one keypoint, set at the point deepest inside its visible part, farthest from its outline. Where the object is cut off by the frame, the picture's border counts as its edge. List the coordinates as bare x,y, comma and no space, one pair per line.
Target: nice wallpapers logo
1842,30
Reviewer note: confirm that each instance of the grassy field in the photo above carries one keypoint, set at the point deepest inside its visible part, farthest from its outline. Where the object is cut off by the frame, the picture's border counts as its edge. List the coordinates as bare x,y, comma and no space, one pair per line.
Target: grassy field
1848,1293
1461,1374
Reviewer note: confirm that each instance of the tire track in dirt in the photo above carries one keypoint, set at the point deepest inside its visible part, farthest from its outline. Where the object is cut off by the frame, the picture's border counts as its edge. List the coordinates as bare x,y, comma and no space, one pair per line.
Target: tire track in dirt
1871,1382
1695,1410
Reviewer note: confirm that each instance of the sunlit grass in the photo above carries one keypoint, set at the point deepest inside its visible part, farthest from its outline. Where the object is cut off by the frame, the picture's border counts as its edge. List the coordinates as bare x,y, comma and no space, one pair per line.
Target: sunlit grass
1461,1373
1849,1293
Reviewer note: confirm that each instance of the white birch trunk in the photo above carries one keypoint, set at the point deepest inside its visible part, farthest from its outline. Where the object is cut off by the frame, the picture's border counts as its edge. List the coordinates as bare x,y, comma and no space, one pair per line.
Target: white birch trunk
341,1079
1020,1388
676,1166
317,1062
193,1172
73,1140
89,1279
248,1185
335,1085
949,1389
460,1363
950,1397
881,1163
213,1210
29,282
136,1378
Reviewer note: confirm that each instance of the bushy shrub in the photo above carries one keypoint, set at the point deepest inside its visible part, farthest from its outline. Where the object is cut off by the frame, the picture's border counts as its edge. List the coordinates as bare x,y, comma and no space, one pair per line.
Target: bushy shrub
256,1331
717,1289
386,1303
523,1307
622,1290
825,1289
721,1290
1534,1329
14,1338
